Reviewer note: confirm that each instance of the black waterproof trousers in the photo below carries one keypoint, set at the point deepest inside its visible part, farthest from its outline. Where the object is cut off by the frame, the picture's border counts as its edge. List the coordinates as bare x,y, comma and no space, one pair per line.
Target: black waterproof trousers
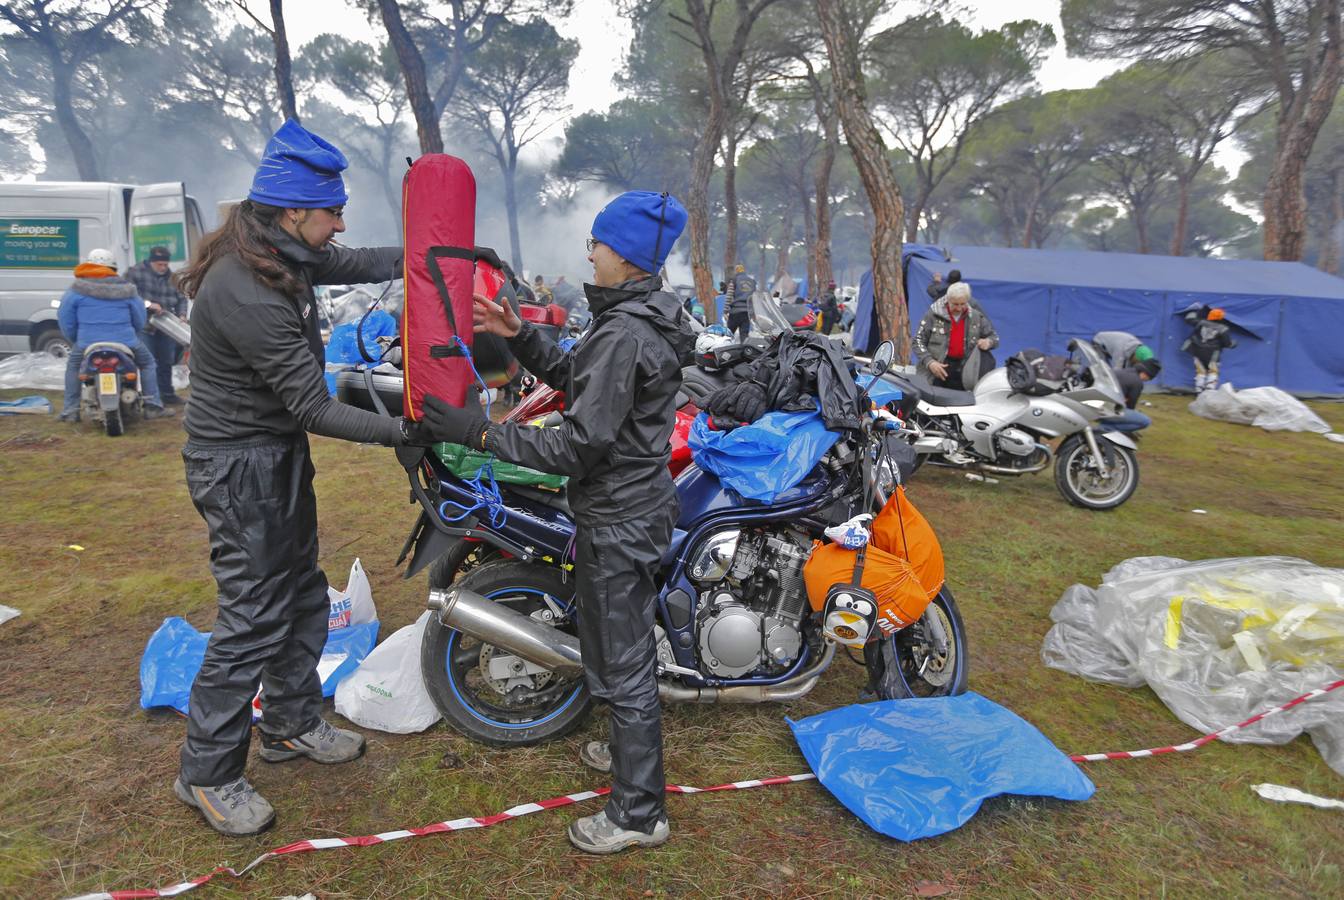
257,499
740,324
616,568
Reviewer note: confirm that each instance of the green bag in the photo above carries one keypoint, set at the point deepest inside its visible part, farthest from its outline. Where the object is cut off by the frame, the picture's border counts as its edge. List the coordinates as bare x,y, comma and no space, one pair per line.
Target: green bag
467,463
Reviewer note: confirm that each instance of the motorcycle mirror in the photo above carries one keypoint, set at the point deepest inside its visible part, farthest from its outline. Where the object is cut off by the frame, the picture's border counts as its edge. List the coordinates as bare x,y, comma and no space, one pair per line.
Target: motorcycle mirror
886,352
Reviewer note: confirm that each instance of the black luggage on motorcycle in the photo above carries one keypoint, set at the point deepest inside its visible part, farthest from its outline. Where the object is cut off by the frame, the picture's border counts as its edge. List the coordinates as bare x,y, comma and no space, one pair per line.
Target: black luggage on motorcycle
1035,373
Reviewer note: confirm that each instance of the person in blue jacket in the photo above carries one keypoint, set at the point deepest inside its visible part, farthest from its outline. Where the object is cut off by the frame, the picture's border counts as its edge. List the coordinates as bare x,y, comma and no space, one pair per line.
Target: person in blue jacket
100,305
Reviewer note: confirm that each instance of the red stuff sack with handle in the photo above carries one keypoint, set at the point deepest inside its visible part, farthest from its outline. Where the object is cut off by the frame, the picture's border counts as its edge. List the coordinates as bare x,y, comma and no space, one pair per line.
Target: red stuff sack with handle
438,212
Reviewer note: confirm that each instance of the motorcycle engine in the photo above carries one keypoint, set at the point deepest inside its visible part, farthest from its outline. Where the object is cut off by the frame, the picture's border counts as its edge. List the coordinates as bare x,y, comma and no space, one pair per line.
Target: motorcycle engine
1015,441
753,600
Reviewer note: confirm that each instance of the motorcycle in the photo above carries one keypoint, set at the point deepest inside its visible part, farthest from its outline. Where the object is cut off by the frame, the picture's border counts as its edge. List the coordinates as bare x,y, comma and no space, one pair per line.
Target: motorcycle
110,393
1001,430
500,655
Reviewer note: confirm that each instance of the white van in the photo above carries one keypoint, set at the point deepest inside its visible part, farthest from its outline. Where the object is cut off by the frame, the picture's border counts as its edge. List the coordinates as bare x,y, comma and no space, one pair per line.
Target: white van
48,227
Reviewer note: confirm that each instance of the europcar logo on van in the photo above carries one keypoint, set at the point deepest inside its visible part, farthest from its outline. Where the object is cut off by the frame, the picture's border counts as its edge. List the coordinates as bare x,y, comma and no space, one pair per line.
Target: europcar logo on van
39,243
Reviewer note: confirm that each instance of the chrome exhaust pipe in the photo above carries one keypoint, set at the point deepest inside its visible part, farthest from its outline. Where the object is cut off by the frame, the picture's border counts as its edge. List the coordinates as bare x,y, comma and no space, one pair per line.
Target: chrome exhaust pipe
1031,470
497,624
798,686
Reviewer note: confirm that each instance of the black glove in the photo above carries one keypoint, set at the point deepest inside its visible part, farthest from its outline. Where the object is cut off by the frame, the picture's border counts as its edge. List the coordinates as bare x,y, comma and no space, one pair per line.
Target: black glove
748,403
441,422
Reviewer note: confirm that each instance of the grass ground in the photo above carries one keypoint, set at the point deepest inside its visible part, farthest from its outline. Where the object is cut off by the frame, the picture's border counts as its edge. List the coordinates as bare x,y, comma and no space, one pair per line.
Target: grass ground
85,774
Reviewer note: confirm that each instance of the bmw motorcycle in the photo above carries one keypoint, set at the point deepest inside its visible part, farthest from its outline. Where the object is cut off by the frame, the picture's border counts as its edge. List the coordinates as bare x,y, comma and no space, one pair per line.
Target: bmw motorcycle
501,657
1003,429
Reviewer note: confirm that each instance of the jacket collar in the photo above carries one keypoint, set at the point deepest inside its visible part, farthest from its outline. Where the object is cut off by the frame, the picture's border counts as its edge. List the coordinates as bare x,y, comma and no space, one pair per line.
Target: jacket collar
294,251
601,299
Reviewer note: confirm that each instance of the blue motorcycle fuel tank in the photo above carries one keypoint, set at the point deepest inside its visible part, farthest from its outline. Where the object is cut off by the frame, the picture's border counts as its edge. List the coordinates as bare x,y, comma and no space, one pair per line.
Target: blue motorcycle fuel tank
701,494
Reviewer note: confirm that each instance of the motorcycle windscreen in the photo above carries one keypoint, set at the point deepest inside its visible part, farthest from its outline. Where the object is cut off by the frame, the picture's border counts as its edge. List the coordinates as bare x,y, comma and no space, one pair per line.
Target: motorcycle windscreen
438,206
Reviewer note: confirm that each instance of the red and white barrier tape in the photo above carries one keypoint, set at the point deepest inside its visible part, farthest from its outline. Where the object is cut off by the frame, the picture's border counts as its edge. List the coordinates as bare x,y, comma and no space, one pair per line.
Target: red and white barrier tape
1208,738
528,809
367,840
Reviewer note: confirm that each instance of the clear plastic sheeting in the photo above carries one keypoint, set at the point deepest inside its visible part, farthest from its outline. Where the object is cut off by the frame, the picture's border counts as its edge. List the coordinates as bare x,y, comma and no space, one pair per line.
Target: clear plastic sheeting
1218,641
1264,407
44,372
38,371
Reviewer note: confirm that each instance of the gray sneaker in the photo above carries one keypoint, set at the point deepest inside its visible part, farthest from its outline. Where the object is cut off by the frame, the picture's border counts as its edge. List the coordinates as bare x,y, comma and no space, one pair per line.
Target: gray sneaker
235,809
598,834
325,744
157,412
596,755
69,415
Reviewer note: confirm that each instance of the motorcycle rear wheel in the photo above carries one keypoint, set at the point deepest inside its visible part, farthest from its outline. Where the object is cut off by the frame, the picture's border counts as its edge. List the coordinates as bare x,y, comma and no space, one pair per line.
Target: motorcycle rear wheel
112,422
921,668
521,711
1081,485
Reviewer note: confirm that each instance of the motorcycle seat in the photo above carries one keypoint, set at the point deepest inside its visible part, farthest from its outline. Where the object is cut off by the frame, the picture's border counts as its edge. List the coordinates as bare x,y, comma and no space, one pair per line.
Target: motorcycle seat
554,499
940,396
114,346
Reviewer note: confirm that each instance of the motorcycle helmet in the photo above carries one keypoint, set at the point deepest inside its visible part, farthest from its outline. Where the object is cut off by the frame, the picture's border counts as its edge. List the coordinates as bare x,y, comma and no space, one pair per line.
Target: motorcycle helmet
708,341
101,257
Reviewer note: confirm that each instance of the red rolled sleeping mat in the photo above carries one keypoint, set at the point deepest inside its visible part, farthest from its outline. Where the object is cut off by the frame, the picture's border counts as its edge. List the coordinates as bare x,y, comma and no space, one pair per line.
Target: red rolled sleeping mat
438,213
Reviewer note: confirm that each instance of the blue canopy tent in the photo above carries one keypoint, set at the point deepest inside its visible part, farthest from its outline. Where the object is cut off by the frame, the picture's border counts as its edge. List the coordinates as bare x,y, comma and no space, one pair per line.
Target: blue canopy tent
1289,317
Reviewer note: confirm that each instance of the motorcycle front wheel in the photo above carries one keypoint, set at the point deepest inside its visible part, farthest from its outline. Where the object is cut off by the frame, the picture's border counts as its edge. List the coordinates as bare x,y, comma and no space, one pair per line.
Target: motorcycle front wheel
926,659
1080,480
488,694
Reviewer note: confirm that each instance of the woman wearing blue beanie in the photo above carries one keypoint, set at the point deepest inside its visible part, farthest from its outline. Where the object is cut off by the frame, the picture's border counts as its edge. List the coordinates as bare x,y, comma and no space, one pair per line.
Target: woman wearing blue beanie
620,383
257,387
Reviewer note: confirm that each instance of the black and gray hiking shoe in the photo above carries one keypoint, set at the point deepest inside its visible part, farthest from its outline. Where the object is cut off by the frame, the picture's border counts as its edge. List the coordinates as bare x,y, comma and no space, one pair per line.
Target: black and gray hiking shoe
235,809
325,744
598,834
596,755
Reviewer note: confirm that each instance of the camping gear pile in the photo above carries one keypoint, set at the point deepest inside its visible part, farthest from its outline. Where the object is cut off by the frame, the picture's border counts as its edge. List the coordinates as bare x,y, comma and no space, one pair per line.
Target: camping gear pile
1217,640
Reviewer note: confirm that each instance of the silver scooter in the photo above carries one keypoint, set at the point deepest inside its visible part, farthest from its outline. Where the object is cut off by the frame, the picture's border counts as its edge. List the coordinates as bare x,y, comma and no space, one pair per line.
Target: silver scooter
998,430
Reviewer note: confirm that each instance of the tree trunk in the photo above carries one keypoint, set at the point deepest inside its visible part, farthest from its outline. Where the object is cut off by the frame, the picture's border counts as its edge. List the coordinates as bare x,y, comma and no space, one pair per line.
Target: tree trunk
511,206
1033,211
1140,218
915,213
284,78
702,167
879,181
1328,260
785,242
1285,205
81,148
1182,216
809,236
729,206
413,70
830,128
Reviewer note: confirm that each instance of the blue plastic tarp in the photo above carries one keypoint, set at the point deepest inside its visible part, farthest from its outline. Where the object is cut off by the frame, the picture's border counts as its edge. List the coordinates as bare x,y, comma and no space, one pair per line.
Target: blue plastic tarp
343,345
763,459
918,768
176,650
30,405
1293,314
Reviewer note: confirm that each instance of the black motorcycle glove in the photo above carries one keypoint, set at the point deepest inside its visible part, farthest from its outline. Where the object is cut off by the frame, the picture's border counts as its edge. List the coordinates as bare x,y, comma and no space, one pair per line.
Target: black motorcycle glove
441,422
748,402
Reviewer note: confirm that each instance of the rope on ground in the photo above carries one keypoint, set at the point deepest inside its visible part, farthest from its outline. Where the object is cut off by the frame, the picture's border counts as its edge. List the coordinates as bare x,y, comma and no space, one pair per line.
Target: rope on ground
527,809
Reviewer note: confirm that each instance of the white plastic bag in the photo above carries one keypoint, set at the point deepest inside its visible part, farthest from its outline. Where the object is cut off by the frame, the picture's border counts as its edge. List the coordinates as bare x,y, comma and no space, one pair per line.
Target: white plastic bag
387,691
1264,407
354,605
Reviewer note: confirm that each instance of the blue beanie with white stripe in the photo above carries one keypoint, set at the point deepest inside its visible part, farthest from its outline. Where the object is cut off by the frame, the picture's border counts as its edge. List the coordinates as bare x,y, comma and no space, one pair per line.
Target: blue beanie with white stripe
299,170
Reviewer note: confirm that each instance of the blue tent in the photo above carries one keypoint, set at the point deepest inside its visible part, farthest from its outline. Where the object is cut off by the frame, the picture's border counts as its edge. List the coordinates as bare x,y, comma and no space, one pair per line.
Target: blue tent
1289,316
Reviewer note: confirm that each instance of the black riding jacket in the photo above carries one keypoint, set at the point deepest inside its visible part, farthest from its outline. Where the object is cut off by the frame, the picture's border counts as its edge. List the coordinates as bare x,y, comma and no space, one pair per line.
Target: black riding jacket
620,383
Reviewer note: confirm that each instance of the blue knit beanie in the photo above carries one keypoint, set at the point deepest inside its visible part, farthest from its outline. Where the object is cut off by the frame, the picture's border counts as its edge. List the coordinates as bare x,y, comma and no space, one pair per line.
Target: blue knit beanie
641,226
299,170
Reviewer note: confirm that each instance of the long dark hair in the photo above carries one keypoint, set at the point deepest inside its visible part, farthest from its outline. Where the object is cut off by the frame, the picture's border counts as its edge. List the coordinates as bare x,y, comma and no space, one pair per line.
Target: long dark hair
245,234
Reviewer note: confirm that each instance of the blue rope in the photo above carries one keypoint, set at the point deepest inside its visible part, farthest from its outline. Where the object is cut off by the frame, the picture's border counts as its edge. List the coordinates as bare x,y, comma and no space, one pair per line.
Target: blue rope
486,491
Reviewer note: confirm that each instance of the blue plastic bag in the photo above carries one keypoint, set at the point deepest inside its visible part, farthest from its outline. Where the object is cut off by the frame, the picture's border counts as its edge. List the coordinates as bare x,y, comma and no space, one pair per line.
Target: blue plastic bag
918,768
767,457
343,346
175,651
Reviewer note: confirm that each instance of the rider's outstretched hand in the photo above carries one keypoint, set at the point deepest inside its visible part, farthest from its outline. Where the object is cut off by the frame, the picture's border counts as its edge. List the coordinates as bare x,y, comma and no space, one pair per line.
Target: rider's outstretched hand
494,318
